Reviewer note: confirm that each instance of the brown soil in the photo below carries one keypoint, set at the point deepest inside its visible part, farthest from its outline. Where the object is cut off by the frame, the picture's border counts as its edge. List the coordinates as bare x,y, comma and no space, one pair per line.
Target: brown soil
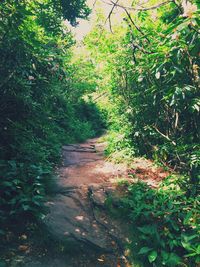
145,170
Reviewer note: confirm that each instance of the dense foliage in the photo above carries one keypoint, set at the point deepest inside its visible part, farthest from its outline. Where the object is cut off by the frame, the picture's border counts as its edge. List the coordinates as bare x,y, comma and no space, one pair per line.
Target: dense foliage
41,101
145,75
149,78
151,73
163,234
74,9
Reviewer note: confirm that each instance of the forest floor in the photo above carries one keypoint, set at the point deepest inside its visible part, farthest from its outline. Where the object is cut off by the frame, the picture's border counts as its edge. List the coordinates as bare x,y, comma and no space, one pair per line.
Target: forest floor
78,230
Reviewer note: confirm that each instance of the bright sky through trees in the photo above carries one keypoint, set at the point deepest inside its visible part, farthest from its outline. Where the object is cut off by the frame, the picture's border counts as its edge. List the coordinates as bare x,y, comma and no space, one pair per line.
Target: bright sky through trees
85,26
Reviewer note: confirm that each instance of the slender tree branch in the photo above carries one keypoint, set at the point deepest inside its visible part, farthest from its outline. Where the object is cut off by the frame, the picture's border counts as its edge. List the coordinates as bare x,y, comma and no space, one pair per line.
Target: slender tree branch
131,20
110,14
165,136
99,96
135,45
94,3
140,9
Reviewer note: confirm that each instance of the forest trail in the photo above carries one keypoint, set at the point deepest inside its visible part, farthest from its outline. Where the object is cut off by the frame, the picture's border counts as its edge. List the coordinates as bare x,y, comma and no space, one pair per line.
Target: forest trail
78,230
77,215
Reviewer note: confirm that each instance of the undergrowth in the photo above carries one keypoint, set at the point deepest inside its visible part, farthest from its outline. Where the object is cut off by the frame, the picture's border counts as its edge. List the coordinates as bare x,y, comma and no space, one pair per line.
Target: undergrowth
165,223
29,172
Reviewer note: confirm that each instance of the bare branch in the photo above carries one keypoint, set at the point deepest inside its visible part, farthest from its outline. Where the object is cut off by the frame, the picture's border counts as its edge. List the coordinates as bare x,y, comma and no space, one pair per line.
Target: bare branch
165,136
110,14
99,96
94,3
140,9
142,49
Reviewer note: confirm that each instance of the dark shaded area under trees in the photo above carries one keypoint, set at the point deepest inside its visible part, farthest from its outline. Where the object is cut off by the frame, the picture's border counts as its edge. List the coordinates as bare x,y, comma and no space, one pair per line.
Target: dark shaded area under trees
41,108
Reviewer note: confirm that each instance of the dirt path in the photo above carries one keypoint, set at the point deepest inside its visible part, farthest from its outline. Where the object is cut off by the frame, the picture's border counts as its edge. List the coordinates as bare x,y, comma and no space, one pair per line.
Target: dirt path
78,230
77,217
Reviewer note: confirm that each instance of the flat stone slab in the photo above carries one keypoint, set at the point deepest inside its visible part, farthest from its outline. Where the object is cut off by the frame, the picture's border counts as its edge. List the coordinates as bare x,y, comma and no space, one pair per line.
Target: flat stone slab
69,220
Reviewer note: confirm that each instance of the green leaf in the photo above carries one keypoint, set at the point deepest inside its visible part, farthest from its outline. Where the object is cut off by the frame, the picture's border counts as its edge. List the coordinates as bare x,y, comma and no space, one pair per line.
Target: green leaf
152,256
165,256
148,229
144,250
198,250
197,259
188,238
25,207
186,245
173,259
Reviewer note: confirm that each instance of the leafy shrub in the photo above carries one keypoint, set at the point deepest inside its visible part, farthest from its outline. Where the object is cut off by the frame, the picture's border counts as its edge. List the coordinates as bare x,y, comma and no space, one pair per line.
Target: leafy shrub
22,189
165,223
41,108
